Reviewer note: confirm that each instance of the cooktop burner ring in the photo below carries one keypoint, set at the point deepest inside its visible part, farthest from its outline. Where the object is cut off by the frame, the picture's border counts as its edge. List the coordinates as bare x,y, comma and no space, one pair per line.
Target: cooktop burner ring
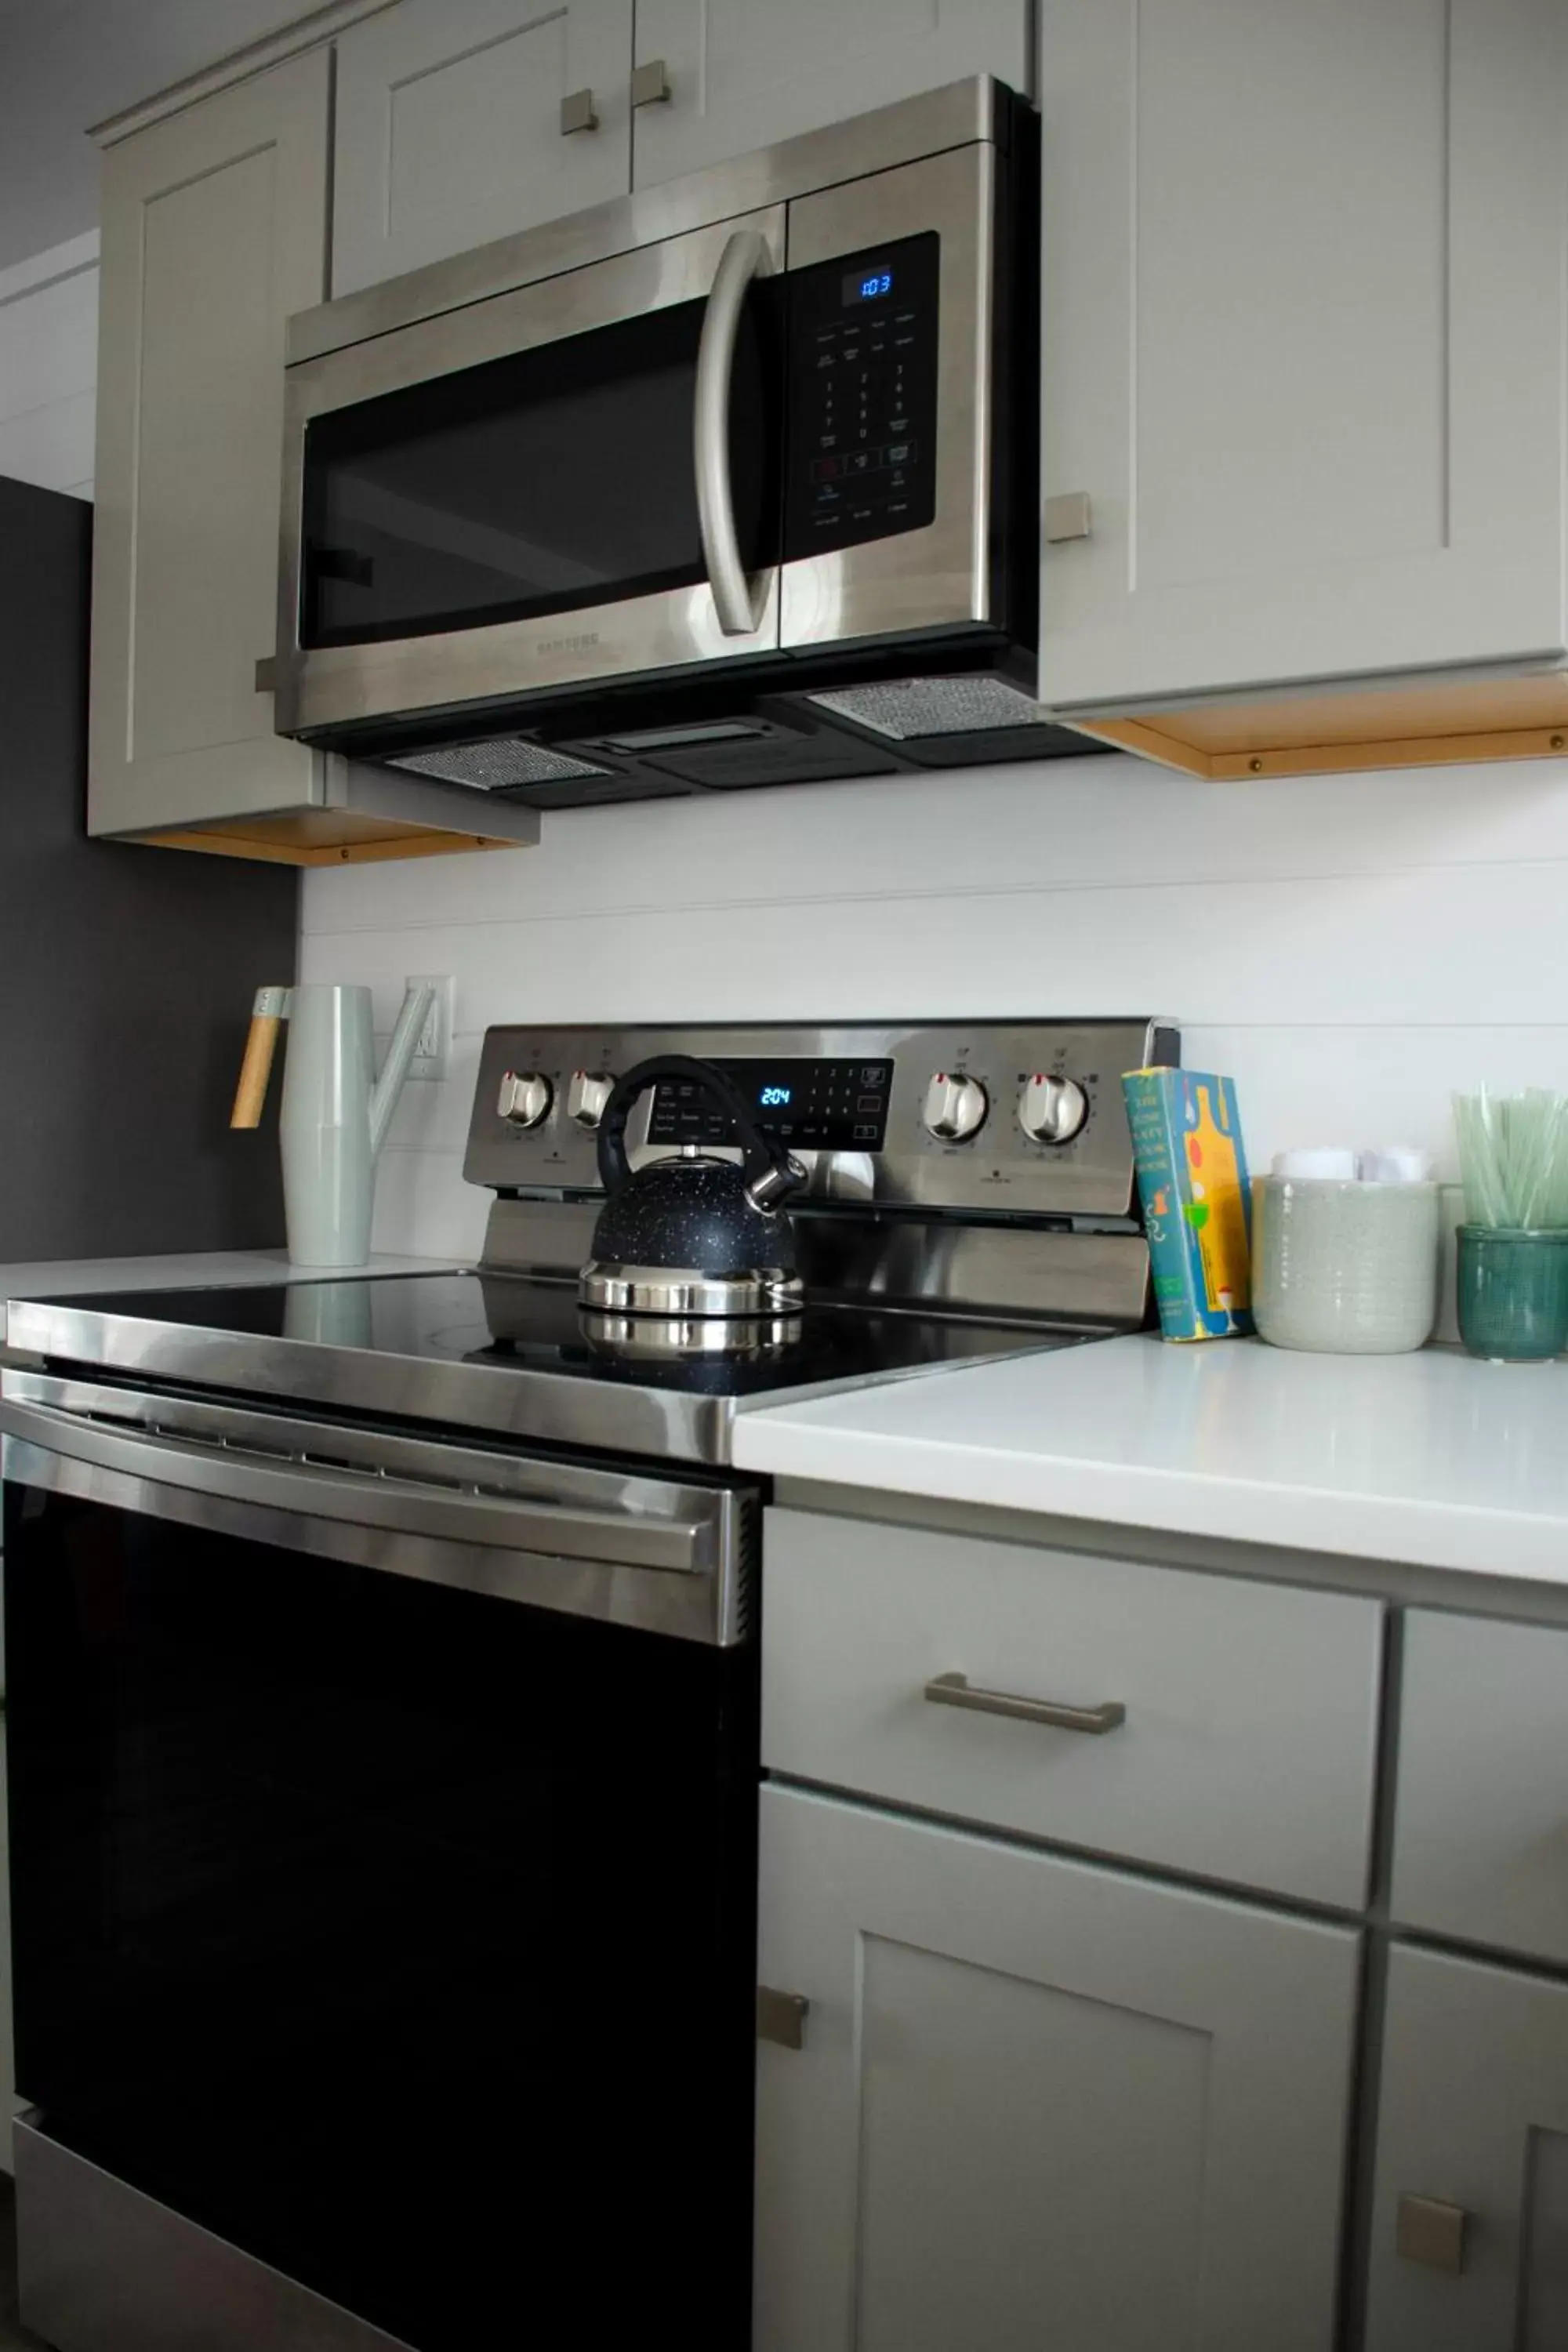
679,1293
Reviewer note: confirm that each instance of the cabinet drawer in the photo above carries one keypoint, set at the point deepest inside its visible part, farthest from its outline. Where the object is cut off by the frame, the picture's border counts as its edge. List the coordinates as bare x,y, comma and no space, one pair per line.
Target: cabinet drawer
1245,1751
1480,1831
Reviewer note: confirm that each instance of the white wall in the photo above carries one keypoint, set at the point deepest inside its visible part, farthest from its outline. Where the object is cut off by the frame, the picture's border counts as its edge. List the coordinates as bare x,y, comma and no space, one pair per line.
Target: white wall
49,367
1350,948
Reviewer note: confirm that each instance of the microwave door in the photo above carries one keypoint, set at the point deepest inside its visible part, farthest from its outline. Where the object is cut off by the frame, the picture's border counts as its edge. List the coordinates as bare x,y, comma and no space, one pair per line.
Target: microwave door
572,481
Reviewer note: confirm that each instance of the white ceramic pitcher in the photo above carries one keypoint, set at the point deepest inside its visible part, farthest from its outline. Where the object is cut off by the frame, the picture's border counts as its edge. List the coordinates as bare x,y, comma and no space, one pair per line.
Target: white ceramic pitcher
336,1110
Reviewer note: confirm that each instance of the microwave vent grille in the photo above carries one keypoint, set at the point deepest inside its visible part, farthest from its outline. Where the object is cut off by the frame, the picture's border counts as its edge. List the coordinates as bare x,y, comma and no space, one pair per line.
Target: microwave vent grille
497,766
905,708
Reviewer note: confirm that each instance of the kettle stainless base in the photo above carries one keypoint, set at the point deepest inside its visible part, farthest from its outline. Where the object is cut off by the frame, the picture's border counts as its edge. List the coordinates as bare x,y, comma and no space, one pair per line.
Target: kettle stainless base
614,1288
715,1338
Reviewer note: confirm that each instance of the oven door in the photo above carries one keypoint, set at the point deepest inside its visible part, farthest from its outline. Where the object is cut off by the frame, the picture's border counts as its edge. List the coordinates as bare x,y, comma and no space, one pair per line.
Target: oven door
575,480
382,1829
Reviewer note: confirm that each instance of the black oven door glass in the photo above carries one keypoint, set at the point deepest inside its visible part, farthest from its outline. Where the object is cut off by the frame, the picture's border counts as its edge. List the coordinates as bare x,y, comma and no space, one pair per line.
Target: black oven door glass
401,1936
552,480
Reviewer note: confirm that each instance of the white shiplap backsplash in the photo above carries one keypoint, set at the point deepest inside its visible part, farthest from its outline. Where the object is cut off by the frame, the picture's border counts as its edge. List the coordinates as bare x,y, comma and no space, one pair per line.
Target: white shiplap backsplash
1350,949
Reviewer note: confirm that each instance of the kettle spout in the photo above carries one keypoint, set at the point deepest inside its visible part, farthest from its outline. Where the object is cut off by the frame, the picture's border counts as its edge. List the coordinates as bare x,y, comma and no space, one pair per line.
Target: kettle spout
395,1069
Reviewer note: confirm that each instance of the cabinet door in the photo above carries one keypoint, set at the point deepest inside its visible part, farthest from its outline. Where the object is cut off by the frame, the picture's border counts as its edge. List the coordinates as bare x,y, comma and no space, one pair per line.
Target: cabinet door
449,126
742,76
1473,2116
1302,338
1039,2102
215,228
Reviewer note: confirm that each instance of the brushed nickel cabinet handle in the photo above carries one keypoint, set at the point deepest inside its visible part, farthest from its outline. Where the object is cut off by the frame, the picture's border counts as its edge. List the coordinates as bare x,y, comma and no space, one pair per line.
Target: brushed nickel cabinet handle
781,2017
953,1690
650,83
1428,2231
1068,516
577,112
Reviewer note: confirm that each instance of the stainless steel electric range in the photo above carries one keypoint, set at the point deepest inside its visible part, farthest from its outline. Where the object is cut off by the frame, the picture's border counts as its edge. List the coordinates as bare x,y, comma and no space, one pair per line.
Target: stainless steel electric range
382,1705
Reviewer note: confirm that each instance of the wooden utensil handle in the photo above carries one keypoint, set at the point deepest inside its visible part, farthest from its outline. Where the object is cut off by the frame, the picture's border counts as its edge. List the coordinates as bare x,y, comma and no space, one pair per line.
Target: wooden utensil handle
260,1044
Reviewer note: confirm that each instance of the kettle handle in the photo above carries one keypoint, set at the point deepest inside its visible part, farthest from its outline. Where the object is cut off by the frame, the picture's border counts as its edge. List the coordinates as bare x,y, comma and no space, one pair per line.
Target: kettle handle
772,1171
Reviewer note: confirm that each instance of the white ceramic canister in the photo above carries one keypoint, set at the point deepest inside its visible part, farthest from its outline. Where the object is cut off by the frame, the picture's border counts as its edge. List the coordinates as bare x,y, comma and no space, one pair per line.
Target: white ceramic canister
1342,1267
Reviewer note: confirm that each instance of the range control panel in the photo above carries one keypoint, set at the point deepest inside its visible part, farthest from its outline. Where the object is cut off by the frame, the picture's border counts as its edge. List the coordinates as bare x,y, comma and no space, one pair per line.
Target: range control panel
811,1105
992,1117
862,396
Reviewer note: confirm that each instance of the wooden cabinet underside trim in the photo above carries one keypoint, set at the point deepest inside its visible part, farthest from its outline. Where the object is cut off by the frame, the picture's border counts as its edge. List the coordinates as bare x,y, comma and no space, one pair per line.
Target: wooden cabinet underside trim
319,837
1436,724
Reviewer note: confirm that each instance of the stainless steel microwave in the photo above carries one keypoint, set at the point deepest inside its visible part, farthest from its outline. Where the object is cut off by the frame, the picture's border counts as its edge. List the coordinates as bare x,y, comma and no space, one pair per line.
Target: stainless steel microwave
729,482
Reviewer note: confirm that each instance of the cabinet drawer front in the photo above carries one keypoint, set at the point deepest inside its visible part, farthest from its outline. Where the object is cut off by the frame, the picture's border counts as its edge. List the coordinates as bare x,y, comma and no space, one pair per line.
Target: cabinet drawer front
1480,1835
1245,1750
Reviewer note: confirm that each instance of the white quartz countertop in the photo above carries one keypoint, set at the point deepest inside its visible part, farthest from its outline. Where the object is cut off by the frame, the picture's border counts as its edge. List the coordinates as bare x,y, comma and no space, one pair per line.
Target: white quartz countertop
1430,1458
59,1277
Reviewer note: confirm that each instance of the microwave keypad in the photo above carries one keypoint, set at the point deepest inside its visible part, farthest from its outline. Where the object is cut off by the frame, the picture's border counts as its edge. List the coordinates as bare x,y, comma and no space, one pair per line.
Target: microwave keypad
863,420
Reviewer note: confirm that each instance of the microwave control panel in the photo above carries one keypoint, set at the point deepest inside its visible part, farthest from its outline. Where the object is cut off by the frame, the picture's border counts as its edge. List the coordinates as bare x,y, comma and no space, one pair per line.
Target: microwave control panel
862,396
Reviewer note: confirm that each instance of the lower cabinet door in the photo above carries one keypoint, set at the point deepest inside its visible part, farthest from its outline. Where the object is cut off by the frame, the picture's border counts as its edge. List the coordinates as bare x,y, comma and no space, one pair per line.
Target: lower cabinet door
1039,2102
1469,2234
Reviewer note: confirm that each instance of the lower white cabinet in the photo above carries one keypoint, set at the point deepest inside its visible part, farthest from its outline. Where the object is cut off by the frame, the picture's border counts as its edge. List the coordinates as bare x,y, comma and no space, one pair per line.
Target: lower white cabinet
1480,1834
1039,2102
1470,2243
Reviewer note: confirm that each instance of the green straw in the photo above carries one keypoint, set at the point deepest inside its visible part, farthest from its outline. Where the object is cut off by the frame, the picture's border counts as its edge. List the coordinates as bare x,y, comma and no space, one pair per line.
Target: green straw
1513,1157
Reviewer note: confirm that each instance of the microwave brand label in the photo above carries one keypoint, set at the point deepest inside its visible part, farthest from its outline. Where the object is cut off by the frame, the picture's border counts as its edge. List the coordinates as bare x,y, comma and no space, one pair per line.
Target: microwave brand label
577,644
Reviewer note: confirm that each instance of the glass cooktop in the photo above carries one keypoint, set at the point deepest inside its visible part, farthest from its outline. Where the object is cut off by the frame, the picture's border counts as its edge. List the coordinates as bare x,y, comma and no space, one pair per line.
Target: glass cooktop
504,1352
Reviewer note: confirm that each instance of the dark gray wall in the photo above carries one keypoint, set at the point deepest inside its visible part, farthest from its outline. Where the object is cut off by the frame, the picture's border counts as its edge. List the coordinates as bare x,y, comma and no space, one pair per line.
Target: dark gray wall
126,974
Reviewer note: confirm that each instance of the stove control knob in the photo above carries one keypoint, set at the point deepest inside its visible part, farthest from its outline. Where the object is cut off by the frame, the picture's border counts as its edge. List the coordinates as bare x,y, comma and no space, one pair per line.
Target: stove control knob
1051,1110
586,1096
955,1108
525,1098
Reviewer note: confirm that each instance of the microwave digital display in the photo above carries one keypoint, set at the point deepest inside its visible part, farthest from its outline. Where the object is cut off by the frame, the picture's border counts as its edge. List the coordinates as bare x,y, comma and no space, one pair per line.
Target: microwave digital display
867,285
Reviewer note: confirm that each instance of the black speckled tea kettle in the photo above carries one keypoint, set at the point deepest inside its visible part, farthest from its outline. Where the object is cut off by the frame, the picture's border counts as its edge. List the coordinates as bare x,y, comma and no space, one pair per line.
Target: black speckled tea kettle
691,1234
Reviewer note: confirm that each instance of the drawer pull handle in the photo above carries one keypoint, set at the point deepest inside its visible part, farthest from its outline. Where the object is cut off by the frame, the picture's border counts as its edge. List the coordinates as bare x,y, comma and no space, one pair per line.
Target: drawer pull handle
1428,2231
781,2017
953,1690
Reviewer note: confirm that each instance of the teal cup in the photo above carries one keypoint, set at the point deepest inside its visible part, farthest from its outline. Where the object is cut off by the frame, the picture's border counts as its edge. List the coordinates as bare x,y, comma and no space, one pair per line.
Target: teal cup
1513,1292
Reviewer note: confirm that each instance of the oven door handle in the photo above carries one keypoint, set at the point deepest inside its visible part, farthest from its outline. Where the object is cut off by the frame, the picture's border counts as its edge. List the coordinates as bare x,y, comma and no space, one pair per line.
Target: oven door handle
740,607
38,1441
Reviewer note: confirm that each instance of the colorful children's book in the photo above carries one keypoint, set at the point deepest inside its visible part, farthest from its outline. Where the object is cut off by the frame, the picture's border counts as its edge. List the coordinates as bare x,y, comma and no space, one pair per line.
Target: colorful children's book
1197,1204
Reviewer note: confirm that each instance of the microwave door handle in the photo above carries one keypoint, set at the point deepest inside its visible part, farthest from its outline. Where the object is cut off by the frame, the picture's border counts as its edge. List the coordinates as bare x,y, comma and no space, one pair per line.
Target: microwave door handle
745,257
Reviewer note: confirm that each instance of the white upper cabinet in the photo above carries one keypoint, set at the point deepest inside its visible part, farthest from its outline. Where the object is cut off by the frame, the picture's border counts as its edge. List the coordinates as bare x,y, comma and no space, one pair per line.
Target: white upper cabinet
1302,338
215,228
742,73
450,130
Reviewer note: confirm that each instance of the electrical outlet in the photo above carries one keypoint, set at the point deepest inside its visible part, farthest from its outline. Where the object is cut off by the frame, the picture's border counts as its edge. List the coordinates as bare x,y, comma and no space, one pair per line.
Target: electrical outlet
432,1055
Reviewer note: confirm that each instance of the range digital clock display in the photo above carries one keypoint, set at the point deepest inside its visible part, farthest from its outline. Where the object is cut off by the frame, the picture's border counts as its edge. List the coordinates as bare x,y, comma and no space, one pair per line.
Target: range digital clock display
815,1106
